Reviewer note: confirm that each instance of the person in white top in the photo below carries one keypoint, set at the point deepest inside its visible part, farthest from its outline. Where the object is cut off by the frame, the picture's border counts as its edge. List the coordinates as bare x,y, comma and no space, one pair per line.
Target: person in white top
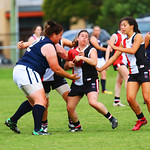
37,34
120,65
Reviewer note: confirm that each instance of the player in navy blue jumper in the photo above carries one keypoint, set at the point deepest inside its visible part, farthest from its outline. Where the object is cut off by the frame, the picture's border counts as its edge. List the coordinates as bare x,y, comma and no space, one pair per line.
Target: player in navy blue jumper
30,69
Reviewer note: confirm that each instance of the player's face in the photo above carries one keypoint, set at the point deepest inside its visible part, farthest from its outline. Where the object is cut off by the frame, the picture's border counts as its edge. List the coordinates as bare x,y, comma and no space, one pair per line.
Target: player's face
83,38
96,31
57,37
38,31
126,27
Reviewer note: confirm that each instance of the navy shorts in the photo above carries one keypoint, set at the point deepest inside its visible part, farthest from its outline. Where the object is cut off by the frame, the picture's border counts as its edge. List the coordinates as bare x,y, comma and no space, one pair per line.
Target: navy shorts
89,86
58,81
142,76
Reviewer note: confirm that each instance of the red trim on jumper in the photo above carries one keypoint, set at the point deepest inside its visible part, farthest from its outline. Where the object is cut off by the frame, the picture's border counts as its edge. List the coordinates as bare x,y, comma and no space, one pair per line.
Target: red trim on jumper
120,58
42,78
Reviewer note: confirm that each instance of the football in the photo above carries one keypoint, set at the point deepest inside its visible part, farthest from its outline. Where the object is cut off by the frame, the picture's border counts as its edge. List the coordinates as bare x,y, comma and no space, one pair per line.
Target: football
71,55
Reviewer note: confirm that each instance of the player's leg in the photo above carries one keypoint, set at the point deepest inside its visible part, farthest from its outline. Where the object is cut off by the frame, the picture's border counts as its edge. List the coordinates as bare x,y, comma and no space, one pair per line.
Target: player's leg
47,89
71,105
122,74
118,84
103,83
146,93
62,87
21,78
132,89
92,98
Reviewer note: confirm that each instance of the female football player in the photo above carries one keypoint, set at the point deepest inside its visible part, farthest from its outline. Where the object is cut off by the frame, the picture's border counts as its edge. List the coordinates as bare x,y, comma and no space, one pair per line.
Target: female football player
87,84
139,67
30,69
120,65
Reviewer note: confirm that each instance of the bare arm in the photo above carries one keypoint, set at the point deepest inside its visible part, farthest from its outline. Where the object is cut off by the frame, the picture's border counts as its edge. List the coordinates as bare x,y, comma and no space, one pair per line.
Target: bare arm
147,40
68,65
110,61
136,44
67,42
61,52
23,45
92,60
94,42
49,52
109,49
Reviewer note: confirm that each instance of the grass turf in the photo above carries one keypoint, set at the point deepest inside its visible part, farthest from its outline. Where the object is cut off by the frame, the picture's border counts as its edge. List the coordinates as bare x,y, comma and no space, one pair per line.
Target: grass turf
97,132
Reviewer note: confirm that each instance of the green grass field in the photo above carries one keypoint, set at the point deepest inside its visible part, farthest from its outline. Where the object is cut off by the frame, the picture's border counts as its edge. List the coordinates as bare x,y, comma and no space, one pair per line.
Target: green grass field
97,132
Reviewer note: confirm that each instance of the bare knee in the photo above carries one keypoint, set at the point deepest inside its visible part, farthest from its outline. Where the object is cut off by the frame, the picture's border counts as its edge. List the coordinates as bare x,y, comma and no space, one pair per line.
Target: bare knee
70,109
147,99
93,104
130,100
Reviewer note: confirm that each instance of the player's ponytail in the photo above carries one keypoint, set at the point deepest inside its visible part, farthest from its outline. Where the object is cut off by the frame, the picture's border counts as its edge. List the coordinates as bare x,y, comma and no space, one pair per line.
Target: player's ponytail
51,27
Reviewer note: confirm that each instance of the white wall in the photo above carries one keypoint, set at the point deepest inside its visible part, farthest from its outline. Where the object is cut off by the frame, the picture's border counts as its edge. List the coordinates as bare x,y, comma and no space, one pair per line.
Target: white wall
29,2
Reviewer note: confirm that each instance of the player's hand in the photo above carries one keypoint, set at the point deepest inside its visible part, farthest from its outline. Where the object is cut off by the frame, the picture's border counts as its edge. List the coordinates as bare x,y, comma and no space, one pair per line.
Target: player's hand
77,58
81,54
20,45
71,64
99,69
74,77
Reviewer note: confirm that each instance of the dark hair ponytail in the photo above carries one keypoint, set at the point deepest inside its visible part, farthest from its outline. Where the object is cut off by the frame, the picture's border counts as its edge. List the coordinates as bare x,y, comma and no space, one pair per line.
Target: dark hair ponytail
51,27
131,21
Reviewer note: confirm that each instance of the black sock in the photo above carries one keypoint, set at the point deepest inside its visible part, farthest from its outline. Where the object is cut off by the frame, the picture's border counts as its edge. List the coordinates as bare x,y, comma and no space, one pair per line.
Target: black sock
44,122
22,110
109,116
77,123
116,99
140,116
103,82
37,112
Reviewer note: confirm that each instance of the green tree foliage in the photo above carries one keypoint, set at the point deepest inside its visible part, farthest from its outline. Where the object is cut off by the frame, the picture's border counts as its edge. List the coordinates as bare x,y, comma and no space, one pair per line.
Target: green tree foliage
112,11
63,10
105,13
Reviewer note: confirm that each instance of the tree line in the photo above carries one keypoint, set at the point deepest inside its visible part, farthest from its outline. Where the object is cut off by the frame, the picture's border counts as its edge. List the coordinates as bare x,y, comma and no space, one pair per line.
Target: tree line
105,13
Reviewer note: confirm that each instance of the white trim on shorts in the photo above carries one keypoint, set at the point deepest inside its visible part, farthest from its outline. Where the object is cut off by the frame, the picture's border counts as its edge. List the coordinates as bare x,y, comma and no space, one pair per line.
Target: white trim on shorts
27,79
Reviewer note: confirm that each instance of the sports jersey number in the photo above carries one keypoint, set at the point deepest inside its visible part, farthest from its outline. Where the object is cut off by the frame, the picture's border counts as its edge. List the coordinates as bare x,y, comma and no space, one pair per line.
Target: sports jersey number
29,48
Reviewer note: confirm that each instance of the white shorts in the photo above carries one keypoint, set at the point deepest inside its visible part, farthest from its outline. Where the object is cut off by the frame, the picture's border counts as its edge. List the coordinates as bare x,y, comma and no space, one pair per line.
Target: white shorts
100,62
27,79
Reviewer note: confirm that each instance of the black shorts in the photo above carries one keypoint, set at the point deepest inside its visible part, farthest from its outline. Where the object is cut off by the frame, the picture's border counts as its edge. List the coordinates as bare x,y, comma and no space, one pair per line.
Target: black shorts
58,81
89,86
143,76
116,66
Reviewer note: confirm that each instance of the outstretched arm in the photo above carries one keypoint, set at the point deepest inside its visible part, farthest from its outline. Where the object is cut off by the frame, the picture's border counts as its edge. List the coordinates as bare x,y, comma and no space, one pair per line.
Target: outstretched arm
49,52
23,45
110,61
136,44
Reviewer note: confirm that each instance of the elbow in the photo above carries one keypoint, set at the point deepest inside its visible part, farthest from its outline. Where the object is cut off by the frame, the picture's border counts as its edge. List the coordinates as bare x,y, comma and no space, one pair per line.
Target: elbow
56,69
94,63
